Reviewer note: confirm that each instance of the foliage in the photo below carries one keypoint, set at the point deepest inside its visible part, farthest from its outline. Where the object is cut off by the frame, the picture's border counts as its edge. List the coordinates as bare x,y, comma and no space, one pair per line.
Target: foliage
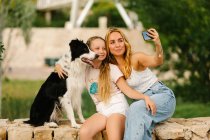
59,17
184,28
18,13
107,9
1,50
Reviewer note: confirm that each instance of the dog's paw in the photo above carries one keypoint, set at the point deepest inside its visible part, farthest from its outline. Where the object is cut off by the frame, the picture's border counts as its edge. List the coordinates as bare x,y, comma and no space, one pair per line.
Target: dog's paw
76,125
51,125
82,120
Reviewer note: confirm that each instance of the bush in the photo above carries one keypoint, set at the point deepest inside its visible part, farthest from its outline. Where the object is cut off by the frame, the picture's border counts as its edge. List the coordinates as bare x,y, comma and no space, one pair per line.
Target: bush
59,17
183,27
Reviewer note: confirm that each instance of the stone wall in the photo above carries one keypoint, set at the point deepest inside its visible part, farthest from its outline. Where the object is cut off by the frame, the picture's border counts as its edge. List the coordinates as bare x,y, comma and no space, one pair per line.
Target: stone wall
54,42
27,61
173,129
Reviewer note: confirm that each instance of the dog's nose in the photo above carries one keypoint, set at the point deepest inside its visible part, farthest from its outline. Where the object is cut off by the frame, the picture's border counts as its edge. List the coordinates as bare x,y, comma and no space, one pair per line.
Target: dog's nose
96,56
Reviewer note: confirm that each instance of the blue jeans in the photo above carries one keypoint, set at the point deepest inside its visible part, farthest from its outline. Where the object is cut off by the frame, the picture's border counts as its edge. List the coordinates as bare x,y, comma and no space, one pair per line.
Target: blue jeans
140,122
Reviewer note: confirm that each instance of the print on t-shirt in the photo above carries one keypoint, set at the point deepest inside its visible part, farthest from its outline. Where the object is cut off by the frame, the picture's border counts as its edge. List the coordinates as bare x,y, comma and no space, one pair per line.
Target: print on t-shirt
94,88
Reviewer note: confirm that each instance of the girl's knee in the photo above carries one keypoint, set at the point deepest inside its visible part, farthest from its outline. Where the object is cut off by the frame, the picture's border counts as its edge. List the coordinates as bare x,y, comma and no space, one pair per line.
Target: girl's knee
114,137
83,132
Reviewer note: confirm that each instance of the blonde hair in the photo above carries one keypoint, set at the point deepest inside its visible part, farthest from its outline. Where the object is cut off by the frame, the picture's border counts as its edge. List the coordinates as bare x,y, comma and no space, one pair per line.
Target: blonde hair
104,75
126,68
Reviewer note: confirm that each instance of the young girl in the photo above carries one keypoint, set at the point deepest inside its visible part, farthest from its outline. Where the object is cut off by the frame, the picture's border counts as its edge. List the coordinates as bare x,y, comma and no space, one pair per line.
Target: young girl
135,67
105,84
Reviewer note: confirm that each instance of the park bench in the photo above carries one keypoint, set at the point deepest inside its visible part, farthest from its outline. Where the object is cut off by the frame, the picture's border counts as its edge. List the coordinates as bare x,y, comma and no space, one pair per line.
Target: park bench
173,129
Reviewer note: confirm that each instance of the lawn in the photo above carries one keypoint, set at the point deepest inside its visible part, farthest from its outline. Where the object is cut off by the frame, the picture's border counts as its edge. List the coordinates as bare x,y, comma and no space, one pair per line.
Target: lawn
18,95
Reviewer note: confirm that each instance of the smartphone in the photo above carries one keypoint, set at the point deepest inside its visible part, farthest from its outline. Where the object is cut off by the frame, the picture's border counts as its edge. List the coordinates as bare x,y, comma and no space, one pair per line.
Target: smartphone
145,35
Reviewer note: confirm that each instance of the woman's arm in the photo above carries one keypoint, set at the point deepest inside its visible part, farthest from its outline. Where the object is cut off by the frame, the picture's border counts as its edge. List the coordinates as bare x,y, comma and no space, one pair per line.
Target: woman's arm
133,94
154,60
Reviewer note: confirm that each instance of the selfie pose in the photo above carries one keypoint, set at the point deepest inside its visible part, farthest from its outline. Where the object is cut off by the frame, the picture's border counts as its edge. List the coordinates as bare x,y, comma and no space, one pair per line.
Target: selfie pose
141,118
106,85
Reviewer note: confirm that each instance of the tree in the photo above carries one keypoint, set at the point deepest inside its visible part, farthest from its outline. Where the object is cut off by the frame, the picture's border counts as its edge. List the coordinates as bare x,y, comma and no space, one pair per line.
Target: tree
183,26
15,13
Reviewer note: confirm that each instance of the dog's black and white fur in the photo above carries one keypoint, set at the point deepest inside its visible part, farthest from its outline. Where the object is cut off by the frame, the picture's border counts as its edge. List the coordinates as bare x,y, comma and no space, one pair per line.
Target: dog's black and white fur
56,93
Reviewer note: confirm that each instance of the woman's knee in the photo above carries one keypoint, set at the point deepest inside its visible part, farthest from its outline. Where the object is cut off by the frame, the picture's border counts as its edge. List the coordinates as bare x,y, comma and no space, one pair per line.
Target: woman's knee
138,106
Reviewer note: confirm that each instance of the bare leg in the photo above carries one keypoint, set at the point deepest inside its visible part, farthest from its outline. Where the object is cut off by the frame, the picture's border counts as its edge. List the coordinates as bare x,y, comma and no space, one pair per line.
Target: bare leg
92,126
115,126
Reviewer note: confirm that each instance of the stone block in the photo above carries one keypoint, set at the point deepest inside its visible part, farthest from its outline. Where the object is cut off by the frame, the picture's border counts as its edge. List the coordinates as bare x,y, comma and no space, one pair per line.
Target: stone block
196,137
65,133
20,121
20,133
169,130
3,133
4,122
43,133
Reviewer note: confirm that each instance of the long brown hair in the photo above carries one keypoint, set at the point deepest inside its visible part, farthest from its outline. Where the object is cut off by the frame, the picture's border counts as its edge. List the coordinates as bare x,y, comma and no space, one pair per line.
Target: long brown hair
126,69
104,75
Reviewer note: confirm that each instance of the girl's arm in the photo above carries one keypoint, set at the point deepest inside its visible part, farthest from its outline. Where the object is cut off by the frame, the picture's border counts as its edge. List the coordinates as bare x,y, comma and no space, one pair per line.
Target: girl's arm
61,64
133,94
154,60
60,71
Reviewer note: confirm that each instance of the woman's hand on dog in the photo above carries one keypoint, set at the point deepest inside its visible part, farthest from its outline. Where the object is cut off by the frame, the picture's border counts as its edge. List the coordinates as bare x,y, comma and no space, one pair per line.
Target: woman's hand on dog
60,71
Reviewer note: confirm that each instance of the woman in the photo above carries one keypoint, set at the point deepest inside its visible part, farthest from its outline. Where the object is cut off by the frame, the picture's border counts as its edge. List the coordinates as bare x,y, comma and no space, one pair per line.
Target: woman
105,84
135,67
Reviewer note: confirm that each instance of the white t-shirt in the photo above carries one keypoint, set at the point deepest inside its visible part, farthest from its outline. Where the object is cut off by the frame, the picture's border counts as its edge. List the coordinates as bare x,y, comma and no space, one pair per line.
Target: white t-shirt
141,80
92,76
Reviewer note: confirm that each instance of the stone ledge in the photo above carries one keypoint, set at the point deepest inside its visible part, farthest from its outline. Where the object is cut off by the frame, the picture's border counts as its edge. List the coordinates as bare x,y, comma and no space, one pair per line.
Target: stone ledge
173,129
186,129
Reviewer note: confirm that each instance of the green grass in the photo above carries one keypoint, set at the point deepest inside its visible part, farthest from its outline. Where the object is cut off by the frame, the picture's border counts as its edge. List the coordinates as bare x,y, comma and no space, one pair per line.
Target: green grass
18,95
191,110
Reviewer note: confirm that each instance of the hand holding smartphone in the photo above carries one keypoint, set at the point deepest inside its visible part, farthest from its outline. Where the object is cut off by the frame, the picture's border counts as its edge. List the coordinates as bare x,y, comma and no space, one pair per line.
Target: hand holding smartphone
146,36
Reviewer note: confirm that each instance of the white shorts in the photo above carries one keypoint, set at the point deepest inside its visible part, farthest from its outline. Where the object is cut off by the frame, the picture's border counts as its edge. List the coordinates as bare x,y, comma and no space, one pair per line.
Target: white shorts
116,104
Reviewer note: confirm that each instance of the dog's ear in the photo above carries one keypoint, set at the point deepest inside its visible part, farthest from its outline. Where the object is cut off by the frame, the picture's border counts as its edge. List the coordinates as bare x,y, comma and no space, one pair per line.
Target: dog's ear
77,48
74,42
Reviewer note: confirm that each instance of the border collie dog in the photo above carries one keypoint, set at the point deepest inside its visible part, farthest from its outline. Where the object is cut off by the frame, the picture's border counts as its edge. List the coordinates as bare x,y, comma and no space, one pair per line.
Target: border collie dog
57,94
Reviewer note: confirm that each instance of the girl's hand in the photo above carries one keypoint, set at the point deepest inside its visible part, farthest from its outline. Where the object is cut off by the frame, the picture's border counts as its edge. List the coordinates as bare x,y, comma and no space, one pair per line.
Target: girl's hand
150,105
60,71
154,34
